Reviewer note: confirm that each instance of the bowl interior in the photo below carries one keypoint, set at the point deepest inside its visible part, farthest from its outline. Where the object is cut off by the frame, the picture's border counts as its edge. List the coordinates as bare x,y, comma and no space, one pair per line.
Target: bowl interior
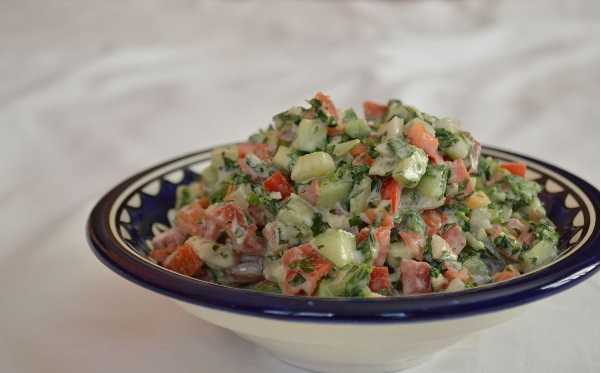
148,209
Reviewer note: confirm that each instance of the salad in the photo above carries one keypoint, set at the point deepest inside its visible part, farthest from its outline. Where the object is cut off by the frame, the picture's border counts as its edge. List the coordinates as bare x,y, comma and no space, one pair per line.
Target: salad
327,203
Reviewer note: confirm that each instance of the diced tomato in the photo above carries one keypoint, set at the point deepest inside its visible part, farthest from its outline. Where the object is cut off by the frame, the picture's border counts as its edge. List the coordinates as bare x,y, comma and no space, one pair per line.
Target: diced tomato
433,220
391,191
516,168
165,243
363,159
414,242
310,192
335,131
387,221
188,218
526,238
252,244
362,235
359,149
361,155
379,279
382,237
304,267
455,238
183,260
277,182
450,273
516,226
371,215
459,174
521,230
204,202
415,277
508,273
260,150
420,137
229,219
327,104
374,110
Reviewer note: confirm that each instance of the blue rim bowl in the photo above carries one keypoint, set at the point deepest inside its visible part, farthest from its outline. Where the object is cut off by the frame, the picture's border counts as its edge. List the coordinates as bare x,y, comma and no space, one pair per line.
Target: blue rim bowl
122,223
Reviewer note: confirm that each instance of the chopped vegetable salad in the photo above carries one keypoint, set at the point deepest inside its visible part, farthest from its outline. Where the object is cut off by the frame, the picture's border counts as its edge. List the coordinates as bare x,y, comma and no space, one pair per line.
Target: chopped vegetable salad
328,203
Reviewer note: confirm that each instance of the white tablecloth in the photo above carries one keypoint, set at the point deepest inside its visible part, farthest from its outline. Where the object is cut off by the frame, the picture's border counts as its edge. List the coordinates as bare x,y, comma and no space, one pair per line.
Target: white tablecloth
91,92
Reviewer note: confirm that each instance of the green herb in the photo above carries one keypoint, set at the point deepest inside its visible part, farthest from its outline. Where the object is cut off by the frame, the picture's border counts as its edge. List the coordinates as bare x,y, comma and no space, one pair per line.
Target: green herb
184,197
435,271
297,280
520,191
410,220
358,172
263,200
446,138
228,163
266,287
219,194
545,230
319,225
356,279
355,221
305,265
286,118
240,178
321,114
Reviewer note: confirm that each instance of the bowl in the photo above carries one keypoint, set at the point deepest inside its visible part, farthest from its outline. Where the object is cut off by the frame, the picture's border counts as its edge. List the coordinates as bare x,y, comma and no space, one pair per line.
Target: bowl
341,334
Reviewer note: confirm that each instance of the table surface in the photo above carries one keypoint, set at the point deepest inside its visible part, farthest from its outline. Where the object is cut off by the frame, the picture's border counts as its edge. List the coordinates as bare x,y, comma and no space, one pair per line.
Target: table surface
92,92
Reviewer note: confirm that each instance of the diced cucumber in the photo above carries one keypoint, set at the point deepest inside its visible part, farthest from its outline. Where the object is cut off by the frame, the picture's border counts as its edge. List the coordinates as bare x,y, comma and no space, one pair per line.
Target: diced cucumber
434,182
313,165
217,155
396,108
297,212
273,270
449,124
441,249
477,269
209,176
459,150
543,252
332,192
413,199
281,159
345,147
213,254
398,251
409,171
357,128
349,115
337,246
350,281
394,127
311,135
360,196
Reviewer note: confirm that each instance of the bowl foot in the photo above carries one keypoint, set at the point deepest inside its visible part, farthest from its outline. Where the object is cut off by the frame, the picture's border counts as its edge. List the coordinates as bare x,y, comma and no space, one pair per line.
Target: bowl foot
325,367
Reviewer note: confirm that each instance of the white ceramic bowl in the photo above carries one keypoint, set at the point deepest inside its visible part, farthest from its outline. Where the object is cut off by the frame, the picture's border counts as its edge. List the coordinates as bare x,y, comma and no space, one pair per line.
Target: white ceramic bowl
336,334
